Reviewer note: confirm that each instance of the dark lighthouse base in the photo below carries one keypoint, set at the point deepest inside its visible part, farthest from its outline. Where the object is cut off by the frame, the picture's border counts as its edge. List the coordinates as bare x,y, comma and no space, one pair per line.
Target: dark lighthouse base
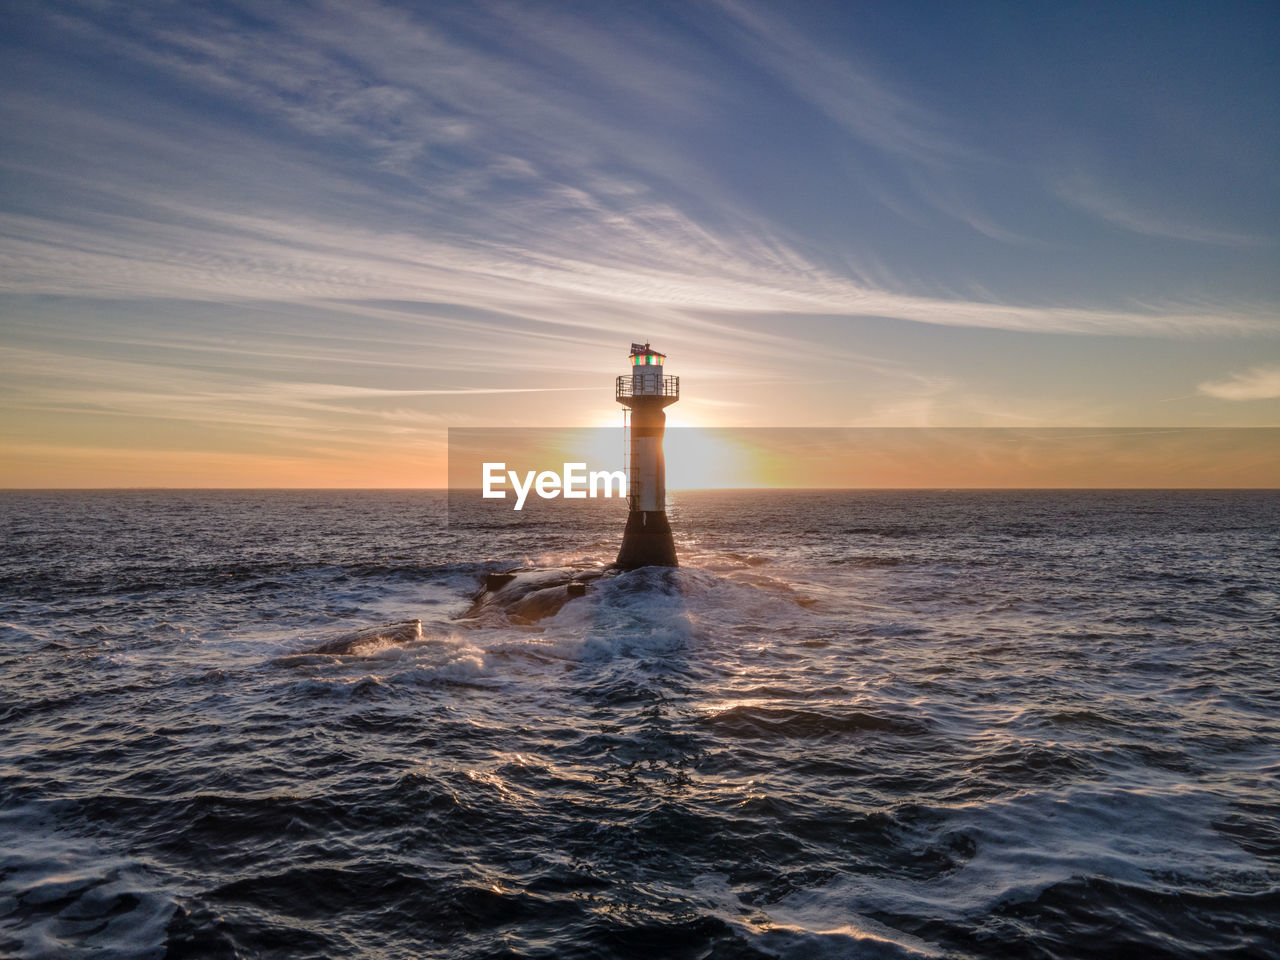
646,542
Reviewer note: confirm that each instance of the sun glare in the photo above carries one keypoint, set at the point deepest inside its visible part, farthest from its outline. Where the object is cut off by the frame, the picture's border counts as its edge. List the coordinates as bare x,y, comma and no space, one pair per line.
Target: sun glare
705,460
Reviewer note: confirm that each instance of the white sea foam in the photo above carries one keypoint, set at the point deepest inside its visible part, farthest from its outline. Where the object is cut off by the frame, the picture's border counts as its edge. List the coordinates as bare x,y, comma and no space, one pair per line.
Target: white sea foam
810,924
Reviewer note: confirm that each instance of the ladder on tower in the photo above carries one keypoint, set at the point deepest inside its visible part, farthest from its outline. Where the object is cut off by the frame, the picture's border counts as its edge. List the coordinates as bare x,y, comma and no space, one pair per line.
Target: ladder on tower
626,458
625,445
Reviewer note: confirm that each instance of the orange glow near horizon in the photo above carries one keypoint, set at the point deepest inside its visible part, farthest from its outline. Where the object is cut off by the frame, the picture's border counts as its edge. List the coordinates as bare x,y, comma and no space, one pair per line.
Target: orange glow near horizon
908,458
54,468
711,459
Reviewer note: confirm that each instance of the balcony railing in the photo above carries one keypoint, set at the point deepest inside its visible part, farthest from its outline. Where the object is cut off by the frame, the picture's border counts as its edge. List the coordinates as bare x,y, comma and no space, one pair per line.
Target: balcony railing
648,387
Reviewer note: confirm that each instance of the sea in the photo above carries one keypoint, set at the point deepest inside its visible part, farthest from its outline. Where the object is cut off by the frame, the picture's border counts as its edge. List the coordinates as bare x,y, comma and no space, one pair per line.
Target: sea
883,724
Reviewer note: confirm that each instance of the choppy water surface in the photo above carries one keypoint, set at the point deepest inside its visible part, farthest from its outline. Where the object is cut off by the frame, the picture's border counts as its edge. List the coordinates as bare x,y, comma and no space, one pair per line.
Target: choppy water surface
855,724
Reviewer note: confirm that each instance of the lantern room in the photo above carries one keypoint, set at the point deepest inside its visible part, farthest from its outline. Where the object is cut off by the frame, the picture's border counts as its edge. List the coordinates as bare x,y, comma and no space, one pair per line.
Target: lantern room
642,355
647,379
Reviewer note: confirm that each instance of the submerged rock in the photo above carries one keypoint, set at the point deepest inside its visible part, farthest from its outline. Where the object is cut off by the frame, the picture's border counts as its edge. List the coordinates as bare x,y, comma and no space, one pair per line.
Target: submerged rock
527,596
407,632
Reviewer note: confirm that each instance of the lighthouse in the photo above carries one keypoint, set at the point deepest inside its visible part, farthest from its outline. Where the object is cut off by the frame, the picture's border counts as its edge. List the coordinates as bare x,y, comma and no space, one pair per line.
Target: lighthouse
646,391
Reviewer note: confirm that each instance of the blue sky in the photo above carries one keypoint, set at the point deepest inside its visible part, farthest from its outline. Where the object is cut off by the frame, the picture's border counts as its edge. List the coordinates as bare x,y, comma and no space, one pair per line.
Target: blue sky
291,242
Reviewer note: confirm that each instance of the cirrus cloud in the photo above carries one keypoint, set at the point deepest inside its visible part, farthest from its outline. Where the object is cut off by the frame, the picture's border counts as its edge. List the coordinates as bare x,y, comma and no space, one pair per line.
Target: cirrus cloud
1256,383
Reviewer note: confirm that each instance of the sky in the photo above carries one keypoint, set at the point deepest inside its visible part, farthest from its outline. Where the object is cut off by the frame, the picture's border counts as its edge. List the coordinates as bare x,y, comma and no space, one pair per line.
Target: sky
292,244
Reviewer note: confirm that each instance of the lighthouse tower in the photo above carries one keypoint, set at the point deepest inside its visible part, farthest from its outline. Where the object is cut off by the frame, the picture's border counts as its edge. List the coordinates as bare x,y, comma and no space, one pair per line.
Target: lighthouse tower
646,391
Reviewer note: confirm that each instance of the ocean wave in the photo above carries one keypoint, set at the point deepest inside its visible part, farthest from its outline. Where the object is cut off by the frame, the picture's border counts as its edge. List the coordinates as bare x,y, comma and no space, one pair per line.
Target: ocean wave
979,725
751,721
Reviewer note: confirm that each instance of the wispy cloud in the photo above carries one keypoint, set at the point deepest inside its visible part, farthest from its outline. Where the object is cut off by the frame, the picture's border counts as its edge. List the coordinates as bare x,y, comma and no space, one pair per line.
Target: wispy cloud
1125,213
1256,383
944,195
309,416
852,96
642,257
514,187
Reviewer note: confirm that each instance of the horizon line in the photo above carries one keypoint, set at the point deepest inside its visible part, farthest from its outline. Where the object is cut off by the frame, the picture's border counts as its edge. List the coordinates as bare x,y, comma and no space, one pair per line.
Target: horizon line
757,489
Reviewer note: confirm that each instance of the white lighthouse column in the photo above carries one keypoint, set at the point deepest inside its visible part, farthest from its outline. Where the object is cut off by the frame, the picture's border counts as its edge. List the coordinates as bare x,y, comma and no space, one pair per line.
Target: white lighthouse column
647,540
